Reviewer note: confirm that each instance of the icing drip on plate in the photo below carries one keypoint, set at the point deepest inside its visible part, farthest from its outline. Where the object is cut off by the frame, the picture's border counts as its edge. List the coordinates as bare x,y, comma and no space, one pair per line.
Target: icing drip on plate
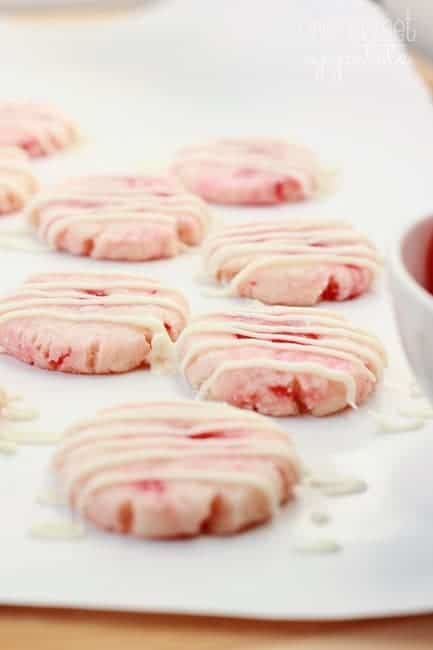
14,413
338,487
319,545
21,414
320,517
421,411
51,498
387,424
31,438
322,481
11,438
57,529
7,447
398,417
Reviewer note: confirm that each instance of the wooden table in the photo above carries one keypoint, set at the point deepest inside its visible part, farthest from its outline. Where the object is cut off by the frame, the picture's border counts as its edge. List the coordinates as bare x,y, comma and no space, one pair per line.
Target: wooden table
30,629
48,629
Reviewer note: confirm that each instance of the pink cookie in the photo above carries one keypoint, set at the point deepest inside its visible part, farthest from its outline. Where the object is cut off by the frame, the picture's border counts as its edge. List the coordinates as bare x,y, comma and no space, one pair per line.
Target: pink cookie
292,262
249,171
281,361
92,323
131,218
17,182
39,130
176,469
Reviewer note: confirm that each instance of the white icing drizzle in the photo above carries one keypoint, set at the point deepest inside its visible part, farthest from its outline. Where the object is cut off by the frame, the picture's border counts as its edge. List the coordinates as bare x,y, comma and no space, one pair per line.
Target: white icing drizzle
172,441
133,453
111,199
59,529
32,438
121,288
107,432
324,480
251,247
320,517
414,413
21,414
132,301
145,323
340,350
17,182
184,410
316,545
344,486
10,439
7,447
329,483
248,479
51,498
289,324
315,369
195,351
10,412
409,388
386,424
417,412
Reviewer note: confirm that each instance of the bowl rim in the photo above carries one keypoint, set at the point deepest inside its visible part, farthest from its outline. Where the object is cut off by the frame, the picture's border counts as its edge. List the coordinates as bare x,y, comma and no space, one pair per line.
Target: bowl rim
399,269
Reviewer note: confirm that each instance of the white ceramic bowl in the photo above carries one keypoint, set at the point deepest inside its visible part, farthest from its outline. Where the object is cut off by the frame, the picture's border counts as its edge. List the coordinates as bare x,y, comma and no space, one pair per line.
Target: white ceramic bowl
410,260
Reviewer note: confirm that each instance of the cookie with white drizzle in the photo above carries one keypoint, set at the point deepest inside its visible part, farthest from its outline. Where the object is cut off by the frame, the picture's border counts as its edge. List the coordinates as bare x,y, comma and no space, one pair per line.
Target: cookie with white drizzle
128,218
36,129
281,361
250,171
92,323
296,262
176,469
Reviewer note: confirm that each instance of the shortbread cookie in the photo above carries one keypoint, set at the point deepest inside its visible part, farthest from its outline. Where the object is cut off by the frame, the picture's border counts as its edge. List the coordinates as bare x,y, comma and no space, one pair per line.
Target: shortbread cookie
176,469
92,323
281,361
39,130
293,262
17,183
132,218
249,171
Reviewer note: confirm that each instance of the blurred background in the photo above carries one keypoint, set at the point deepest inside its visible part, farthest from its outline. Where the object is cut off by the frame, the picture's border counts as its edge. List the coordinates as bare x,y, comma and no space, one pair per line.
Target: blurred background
415,17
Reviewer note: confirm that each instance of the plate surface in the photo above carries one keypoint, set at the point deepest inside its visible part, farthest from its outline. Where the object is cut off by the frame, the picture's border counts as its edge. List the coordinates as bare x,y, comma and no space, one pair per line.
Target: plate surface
182,72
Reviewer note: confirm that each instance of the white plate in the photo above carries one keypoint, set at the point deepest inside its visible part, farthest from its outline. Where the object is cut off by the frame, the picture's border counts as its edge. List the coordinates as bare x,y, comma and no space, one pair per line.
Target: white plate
184,72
